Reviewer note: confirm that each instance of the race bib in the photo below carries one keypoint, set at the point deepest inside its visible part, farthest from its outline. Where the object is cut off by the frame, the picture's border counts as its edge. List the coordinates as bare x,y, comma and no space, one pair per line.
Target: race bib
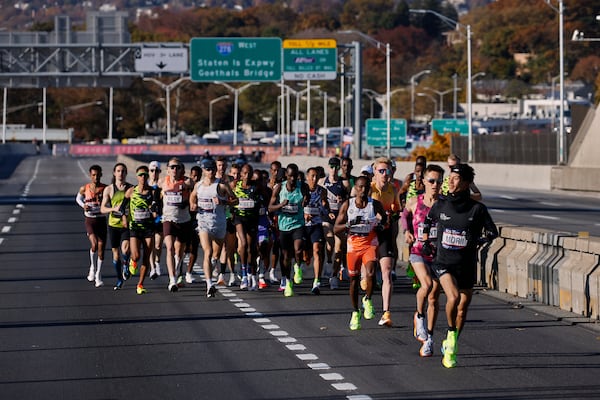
174,198
312,210
290,209
246,204
140,215
360,229
454,240
93,207
432,233
206,204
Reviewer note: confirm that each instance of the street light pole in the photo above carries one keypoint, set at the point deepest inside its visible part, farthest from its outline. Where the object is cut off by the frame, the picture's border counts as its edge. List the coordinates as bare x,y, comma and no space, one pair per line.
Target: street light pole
435,103
454,23
412,91
210,108
236,92
167,89
388,80
562,157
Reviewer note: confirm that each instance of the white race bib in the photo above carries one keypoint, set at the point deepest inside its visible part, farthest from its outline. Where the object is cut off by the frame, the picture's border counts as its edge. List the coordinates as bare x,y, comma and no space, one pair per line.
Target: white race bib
312,210
290,209
140,215
206,204
246,204
455,240
174,198
360,229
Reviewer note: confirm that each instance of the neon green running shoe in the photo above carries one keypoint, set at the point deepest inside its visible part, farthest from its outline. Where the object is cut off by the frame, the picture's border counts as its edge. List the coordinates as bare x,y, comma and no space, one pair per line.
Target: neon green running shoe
367,304
289,289
449,349
298,274
140,290
355,321
133,267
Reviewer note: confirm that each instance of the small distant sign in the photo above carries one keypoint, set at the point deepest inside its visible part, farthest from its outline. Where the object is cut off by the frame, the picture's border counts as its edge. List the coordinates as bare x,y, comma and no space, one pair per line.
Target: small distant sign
161,59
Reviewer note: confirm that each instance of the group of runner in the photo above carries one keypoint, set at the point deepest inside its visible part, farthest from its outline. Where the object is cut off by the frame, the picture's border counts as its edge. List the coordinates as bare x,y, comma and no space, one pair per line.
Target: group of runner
342,224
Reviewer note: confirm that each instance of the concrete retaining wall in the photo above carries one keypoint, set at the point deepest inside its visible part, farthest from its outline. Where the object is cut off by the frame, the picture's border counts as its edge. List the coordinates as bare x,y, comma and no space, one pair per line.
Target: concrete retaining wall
550,267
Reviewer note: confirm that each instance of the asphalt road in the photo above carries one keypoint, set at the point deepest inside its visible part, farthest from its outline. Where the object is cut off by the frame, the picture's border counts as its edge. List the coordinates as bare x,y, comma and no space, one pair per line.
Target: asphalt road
62,338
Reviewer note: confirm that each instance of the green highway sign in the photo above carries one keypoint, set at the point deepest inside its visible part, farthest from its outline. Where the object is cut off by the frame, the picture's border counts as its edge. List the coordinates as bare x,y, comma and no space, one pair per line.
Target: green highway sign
248,59
309,59
450,126
377,132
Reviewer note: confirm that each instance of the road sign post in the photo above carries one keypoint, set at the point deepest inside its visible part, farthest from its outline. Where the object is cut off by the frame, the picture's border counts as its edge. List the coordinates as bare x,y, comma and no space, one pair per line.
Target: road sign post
377,132
309,60
235,59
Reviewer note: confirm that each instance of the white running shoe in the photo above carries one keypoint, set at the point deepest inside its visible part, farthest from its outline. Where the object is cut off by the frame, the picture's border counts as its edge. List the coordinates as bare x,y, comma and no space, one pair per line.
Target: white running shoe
253,283
232,280
157,268
272,276
427,347
90,276
189,278
419,330
244,284
98,280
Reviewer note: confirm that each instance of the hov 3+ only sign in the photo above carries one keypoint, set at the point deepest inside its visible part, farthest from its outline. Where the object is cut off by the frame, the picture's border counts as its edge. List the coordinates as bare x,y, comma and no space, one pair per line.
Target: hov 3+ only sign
161,59
312,59
235,59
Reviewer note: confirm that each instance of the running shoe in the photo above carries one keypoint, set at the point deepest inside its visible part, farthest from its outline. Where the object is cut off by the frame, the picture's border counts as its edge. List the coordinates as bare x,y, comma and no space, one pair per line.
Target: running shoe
180,282
368,306
157,268
427,347
342,273
419,329
355,321
316,288
450,349
173,286
386,319
253,283
189,278
215,271
153,274
244,284
282,284
298,274
133,267
221,280
334,283
211,291
126,273
289,289
98,281
119,284
262,284
272,276
90,276
231,280
140,290
363,285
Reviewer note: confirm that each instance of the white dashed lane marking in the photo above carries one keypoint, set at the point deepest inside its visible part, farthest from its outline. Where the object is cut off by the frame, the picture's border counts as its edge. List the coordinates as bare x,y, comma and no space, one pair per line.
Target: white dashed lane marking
544,216
293,345
12,220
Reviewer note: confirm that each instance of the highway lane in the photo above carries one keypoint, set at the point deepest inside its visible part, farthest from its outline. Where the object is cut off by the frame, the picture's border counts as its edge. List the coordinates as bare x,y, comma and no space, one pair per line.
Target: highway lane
555,211
63,338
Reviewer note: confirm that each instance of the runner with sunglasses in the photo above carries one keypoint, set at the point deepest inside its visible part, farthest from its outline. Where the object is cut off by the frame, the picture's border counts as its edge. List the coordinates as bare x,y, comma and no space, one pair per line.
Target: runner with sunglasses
383,190
155,183
413,218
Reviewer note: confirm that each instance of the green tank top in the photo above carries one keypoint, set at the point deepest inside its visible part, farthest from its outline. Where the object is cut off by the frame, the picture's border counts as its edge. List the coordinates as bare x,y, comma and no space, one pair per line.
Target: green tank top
140,216
115,220
291,216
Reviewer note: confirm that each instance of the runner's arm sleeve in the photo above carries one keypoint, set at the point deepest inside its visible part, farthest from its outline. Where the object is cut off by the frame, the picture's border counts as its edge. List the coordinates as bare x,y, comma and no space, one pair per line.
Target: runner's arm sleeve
79,199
